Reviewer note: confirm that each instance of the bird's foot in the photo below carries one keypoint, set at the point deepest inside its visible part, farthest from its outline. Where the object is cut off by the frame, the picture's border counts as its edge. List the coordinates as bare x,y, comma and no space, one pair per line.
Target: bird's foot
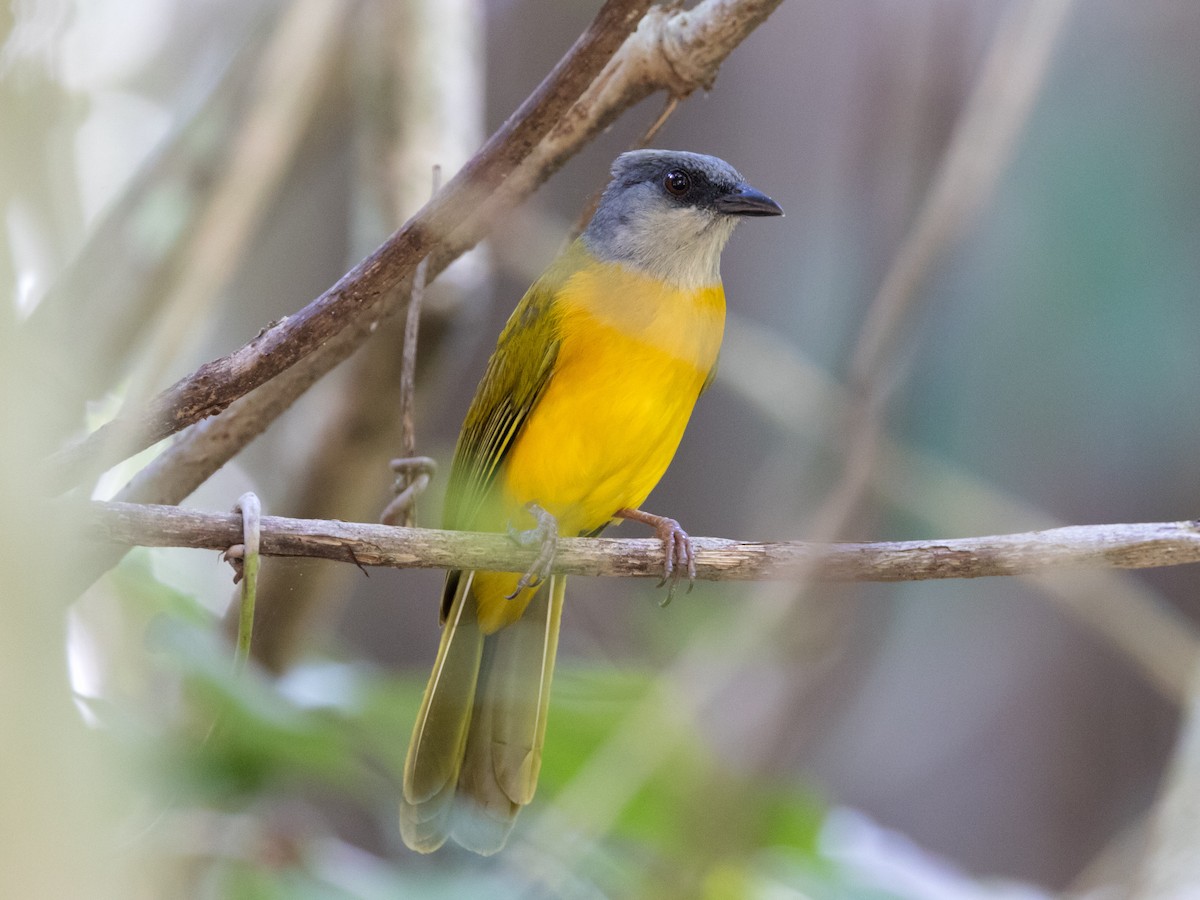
544,536
677,549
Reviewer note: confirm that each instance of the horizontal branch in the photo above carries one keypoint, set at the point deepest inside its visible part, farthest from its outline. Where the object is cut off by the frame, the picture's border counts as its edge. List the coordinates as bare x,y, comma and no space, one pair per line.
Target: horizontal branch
1137,546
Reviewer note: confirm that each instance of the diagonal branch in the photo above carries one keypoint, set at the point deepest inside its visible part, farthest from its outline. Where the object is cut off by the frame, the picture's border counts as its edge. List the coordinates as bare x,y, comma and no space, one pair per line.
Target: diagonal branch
216,384
674,50
1137,546
667,43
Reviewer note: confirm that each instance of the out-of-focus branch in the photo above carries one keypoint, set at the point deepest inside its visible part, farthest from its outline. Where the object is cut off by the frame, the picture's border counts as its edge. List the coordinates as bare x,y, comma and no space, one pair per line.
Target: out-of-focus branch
1171,866
1107,873
100,305
772,377
416,78
360,293
978,152
980,148
292,72
1119,546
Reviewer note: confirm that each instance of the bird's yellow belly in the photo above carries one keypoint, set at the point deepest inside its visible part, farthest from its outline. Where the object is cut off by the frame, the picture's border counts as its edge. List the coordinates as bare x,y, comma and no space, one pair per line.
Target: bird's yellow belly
633,358
602,435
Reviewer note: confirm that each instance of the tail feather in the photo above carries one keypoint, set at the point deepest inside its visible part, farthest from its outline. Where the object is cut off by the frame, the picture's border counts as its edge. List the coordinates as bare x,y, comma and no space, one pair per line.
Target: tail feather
520,683
484,814
431,767
476,749
425,826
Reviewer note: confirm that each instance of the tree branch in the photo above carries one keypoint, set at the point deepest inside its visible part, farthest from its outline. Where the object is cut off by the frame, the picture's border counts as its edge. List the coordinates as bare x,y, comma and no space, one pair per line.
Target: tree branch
216,384
666,44
674,50
1137,546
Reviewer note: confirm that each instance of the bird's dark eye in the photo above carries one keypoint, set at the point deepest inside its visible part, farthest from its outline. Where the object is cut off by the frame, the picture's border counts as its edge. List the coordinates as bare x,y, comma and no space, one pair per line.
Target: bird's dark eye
677,182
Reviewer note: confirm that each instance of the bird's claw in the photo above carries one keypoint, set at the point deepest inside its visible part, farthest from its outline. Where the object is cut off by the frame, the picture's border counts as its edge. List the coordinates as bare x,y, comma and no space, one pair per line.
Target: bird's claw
679,556
544,535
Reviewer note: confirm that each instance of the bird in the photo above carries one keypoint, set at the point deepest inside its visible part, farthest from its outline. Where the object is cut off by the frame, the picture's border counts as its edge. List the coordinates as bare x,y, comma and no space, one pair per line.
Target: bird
579,412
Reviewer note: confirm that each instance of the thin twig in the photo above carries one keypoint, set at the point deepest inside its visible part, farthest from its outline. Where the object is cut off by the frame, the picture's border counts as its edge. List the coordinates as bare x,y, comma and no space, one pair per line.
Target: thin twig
411,480
417,81
656,126
589,208
1147,545
412,324
408,435
413,474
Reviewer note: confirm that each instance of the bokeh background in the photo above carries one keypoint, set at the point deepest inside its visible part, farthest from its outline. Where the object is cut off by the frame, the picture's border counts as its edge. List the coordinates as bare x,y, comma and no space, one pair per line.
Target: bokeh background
177,175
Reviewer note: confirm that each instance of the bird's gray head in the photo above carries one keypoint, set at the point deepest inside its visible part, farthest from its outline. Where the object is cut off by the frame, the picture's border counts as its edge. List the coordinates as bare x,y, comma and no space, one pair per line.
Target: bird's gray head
669,213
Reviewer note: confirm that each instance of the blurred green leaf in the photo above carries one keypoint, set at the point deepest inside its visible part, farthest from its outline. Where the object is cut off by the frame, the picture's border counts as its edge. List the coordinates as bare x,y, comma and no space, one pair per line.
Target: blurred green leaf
695,812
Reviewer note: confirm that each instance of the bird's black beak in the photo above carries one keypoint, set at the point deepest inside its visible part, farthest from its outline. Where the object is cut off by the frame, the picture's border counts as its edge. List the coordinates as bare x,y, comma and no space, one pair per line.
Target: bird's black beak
744,200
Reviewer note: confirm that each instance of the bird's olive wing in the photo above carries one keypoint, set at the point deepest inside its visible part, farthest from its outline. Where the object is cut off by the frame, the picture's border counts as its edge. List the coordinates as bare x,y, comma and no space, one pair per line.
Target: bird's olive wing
516,375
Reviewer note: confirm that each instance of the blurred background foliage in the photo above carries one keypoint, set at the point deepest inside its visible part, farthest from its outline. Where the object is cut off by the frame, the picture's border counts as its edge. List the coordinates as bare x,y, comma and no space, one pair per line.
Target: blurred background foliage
177,175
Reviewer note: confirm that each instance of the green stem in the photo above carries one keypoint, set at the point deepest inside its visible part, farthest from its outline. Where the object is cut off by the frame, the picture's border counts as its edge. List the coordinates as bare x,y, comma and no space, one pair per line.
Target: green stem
246,620
250,508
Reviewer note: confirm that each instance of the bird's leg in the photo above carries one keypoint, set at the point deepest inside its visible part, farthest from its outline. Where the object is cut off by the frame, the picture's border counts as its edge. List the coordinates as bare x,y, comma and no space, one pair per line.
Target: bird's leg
677,547
544,535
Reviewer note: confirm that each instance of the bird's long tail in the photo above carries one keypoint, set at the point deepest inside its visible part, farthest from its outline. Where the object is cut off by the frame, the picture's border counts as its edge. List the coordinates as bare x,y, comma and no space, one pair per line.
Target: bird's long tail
476,748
